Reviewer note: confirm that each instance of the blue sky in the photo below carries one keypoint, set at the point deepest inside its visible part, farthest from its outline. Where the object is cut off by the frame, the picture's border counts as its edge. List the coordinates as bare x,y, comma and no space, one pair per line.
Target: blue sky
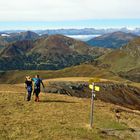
98,23
46,14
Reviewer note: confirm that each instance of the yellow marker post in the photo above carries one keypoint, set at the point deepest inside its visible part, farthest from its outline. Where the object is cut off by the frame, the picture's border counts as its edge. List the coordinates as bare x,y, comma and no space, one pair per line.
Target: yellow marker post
94,88
97,88
91,86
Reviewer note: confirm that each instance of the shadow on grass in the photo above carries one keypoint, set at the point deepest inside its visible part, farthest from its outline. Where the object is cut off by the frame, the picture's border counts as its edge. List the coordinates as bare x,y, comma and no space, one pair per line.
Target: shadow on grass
122,129
55,101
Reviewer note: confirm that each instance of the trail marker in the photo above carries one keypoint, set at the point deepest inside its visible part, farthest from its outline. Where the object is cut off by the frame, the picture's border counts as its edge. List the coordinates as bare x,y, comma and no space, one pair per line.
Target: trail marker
94,88
91,86
97,88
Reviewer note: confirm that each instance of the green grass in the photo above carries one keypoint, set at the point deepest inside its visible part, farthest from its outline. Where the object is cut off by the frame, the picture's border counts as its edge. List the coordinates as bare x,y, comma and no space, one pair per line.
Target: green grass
124,59
83,70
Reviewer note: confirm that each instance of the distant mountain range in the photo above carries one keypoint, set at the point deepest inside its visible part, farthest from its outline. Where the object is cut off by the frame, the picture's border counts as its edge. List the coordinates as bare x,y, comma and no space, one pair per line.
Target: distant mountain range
108,40
112,40
84,31
52,52
6,38
87,31
29,50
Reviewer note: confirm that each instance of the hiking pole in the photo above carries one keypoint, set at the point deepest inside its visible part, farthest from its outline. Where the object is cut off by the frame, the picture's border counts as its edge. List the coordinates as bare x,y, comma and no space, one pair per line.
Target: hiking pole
25,96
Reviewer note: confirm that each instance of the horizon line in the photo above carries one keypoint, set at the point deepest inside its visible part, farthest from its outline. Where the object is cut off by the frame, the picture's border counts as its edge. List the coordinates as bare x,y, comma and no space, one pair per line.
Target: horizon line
74,28
74,24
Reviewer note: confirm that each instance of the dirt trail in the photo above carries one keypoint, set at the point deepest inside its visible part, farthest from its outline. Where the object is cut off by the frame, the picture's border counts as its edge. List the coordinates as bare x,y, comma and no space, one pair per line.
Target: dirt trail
77,79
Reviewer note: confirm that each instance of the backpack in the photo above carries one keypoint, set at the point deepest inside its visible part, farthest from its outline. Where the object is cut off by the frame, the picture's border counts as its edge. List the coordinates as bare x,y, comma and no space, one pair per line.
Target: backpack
37,82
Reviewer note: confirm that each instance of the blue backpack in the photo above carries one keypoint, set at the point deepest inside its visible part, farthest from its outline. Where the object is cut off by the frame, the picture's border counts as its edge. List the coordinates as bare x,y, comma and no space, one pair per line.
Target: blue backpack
37,82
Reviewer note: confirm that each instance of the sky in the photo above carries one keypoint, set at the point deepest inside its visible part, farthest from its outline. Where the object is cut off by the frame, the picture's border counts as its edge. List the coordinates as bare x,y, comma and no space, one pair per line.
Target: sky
42,14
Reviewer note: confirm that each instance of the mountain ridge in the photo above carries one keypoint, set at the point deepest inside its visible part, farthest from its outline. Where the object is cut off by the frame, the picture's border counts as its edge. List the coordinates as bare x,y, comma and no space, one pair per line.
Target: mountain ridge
112,40
5,39
52,52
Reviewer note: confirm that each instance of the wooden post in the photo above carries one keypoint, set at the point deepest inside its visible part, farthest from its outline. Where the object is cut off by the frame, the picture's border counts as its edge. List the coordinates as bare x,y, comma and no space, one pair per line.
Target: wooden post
92,107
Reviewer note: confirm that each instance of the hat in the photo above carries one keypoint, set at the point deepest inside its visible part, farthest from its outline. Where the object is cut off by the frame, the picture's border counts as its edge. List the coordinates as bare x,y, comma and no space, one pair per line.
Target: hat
28,78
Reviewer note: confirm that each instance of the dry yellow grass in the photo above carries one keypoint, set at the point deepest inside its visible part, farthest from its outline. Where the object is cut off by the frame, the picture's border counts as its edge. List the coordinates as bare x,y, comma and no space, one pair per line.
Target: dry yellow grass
59,117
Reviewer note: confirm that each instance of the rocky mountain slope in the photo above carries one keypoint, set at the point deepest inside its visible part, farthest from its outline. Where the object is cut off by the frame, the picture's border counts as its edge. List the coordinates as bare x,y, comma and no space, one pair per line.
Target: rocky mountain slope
112,40
53,52
117,93
5,39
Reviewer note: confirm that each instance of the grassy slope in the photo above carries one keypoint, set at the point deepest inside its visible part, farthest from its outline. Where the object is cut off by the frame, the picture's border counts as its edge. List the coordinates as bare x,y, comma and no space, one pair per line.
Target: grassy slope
59,117
83,70
120,61
124,59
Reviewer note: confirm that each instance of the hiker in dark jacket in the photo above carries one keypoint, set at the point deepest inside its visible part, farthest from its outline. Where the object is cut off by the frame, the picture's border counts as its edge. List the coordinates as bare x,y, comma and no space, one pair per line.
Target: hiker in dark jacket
28,86
37,85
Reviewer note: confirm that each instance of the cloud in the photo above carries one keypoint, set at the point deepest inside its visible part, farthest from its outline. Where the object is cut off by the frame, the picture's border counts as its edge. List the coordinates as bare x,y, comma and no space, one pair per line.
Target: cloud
61,10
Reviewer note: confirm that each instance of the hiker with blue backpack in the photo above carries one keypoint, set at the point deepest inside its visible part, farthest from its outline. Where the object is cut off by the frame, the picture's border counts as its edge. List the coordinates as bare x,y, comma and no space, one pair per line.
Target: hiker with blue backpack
28,86
37,86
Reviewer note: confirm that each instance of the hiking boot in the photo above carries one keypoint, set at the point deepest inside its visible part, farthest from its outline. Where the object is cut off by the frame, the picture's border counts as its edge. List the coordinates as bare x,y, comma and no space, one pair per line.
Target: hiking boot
38,99
28,99
35,99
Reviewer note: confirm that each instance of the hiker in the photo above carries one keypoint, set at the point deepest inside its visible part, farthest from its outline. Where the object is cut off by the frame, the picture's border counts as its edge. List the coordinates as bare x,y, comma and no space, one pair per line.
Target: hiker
28,86
37,85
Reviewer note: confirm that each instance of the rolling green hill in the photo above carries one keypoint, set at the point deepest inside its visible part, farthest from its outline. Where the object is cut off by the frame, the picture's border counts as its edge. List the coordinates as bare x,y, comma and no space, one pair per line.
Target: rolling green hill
125,58
124,61
83,70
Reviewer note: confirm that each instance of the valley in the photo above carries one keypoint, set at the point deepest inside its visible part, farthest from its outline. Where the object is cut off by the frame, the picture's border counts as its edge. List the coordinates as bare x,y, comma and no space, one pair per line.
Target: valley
66,66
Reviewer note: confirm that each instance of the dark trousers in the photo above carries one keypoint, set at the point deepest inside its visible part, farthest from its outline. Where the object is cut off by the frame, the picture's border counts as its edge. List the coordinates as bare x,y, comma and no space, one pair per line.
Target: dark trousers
29,90
36,92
